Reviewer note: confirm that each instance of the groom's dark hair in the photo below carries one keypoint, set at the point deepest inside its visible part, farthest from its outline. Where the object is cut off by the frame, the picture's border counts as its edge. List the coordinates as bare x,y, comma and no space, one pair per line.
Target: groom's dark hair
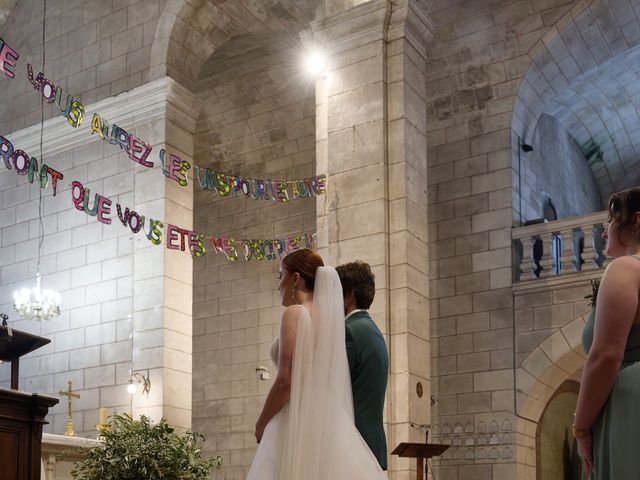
358,278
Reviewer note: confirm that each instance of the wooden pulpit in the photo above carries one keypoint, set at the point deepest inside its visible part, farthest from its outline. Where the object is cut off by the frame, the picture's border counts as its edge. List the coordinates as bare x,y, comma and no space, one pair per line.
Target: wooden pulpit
14,344
422,452
22,414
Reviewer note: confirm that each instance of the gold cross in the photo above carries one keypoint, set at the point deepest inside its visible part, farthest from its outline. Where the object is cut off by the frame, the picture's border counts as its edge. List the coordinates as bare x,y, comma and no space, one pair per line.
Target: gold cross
70,394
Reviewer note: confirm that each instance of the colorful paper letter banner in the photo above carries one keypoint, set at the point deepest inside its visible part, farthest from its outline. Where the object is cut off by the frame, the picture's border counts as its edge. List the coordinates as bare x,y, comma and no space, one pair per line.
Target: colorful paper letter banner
73,110
25,165
8,59
275,190
185,240
173,168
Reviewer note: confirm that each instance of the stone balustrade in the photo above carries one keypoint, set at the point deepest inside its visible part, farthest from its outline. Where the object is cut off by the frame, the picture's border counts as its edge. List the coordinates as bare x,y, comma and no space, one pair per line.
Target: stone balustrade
559,248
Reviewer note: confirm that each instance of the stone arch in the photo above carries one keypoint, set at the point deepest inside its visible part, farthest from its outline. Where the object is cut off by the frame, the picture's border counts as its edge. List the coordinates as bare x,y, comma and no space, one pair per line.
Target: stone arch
563,54
557,358
189,31
556,451
591,40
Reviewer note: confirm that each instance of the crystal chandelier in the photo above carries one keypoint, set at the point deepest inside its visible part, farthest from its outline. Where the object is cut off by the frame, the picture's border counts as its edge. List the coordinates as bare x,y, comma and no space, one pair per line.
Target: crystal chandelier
36,304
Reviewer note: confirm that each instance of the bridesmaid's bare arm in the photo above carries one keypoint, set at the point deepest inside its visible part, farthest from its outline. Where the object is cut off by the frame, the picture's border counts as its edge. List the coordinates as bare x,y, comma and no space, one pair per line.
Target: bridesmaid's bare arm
281,389
615,313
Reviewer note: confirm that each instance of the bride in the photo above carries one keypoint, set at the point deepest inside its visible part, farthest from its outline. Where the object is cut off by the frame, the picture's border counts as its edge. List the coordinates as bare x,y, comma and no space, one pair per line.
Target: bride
306,429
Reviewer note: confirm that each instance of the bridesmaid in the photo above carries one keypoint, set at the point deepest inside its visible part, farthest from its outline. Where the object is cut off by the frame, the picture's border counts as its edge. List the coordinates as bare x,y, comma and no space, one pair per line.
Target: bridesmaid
607,419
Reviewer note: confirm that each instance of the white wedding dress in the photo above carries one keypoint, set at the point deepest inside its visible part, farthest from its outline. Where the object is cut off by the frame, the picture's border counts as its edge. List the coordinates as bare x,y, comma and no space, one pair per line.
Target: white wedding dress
314,437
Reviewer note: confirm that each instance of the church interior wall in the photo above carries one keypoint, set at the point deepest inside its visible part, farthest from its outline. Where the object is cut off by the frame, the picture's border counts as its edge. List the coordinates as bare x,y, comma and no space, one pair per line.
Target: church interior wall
258,119
111,281
494,69
479,56
91,265
582,71
94,50
557,170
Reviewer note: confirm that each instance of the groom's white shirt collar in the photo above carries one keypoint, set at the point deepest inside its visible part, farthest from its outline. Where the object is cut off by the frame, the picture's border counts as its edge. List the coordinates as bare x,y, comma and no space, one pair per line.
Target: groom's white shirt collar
355,311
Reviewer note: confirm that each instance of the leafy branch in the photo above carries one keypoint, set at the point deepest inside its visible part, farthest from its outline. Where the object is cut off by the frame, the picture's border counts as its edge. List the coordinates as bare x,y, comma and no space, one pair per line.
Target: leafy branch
595,285
138,449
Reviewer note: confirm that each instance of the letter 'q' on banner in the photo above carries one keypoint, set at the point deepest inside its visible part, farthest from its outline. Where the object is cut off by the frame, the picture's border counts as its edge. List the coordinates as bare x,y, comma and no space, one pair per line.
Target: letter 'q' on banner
8,58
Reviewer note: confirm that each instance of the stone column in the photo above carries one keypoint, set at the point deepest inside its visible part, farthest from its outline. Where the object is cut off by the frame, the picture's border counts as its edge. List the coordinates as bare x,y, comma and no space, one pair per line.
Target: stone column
371,141
163,278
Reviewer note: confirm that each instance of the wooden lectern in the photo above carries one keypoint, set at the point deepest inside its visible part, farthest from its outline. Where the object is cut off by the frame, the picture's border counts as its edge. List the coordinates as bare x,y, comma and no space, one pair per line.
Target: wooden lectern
22,414
13,345
420,451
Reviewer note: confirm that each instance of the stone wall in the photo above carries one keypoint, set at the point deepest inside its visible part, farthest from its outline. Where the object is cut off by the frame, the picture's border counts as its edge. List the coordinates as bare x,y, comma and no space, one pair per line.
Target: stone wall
479,55
95,267
94,50
580,70
257,121
126,303
549,324
557,169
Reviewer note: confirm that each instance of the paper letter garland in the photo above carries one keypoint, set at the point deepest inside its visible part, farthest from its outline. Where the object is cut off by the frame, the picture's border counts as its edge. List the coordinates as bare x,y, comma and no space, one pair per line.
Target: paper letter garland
173,168
274,190
183,239
137,150
8,58
73,110
28,166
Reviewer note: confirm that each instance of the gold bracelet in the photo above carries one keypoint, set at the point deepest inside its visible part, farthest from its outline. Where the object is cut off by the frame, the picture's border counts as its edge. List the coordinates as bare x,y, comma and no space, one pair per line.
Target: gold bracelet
577,433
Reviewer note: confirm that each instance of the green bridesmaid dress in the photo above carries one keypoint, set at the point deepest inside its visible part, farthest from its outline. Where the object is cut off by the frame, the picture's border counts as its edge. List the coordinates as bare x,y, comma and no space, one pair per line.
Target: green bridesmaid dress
616,431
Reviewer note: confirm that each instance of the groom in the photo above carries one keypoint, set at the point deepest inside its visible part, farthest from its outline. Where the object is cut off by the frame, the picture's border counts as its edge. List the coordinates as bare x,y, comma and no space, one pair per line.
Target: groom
368,356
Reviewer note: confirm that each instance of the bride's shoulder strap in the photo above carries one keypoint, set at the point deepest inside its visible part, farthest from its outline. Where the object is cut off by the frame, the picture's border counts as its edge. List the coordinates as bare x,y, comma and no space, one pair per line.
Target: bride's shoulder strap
292,311
294,308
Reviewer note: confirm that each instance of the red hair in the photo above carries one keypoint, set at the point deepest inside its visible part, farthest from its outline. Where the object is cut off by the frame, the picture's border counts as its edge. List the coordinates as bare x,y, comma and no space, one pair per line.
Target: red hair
305,262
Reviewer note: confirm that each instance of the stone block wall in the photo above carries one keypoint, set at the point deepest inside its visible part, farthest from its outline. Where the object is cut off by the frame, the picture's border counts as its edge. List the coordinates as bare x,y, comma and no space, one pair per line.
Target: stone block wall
579,71
478,60
556,169
257,121
94,50
89,263
549,323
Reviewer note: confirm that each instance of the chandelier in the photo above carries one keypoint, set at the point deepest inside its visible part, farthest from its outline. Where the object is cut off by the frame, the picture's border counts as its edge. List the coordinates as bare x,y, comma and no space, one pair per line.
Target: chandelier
36,304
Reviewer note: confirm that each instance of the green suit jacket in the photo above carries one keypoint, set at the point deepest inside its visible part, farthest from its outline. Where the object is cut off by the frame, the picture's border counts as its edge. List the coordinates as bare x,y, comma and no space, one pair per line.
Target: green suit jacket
369,366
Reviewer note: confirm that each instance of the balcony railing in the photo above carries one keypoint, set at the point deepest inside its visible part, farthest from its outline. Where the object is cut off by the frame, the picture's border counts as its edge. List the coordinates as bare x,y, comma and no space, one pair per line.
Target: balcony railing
559,248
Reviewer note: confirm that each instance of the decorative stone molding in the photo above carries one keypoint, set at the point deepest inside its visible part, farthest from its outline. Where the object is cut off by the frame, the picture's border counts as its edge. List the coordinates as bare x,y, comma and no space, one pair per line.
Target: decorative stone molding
357,26
58,449
409,20
365,23
539,376
143,104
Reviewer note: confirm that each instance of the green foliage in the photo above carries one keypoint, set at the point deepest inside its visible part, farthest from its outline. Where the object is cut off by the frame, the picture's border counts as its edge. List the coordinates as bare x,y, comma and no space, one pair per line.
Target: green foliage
595,286
138,449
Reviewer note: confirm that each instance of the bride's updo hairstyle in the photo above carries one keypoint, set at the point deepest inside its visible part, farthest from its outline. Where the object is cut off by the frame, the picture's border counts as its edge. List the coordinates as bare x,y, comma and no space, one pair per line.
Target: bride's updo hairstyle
623,206
305,262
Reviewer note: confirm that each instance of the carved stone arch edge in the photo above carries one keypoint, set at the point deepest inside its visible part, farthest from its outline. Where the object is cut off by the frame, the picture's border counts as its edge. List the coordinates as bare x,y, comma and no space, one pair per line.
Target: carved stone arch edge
538,377
568,386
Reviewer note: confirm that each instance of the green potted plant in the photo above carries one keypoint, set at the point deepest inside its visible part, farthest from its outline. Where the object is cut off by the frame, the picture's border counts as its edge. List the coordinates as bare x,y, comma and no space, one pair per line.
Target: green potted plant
138,449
